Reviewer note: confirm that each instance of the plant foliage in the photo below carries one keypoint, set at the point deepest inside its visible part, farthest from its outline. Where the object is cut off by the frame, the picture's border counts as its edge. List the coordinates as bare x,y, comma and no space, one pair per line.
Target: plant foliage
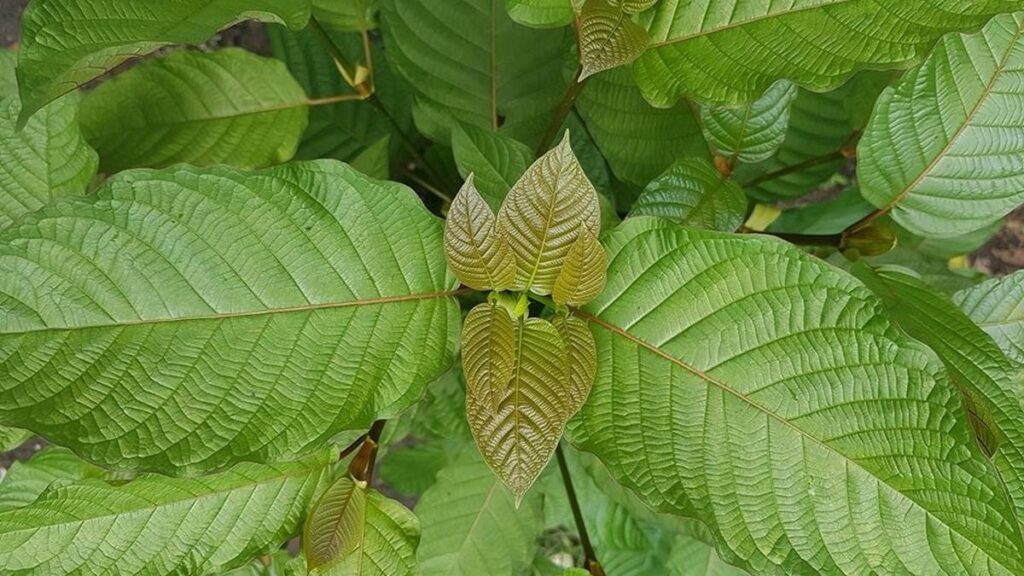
511,288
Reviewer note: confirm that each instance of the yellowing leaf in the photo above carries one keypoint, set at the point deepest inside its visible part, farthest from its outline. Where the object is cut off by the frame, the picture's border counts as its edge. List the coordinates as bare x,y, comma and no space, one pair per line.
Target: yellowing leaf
608,37
488,352
334,528
517,422
581,357
476,250
542,215
583,273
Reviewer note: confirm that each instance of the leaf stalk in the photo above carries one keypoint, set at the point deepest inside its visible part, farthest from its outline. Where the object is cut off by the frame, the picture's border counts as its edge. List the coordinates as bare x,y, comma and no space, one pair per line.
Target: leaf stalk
589,556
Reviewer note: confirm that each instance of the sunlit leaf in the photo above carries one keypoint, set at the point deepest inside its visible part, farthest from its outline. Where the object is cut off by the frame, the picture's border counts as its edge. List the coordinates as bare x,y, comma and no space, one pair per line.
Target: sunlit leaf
944,151
477,249
66,43
583,272
388,542
581,356
608,38
223,107
542,215
489,357
334,527
997,306
26,480
754,132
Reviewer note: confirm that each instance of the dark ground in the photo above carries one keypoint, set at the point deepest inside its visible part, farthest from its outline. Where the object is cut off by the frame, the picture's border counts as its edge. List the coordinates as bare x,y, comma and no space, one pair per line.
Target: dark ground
1003,254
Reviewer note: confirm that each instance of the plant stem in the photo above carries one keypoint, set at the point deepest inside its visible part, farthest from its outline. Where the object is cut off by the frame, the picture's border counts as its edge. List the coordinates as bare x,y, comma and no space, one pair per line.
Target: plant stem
590,557
562,112
834,240
361,467
798,167
865,221
429,187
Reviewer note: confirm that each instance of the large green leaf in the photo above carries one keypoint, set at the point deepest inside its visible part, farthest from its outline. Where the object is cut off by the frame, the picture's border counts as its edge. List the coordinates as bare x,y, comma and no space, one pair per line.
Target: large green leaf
975,364
45,159
692,192
638,141
348,15
467,60
692,556
186,319
25,481
746,383
944,150
158,525
750,133
66,43
343,130
471,525
495,161
997,305
731,51
224,107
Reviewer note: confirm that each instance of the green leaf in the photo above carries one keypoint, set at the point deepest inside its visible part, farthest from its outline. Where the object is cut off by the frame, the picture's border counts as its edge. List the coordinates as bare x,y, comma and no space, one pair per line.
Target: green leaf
517,397
159,525
343,130
541,13
346,15
694,193
46,159
223,107
496,161
334,527
66,43
976,366
543,214
638,141
411,469
195,318
819,124
730,52
944,151
751,133
581,353
477,250
609,38
388,542
634,6
25,481
583,272
471,525
692,556
375,161
8,78
11,438
829,217
934,271
468,61
997,305
798,437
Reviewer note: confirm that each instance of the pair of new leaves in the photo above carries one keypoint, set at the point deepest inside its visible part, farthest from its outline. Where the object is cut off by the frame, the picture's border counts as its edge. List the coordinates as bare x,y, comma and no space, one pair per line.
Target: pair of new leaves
525,376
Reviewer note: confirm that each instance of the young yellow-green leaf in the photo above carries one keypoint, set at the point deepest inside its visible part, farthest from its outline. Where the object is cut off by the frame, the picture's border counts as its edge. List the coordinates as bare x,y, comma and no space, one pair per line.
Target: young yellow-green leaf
997,306
468,62
477,249
334,526
692,192
633,6
46,159
581,356
975,364
496,161
754,132
387,545
192,318
731,51
583,272
471,525
488,352
156,525
541,13
638,141
517,422
229,106
25,481
66,43
609,38
944,150
543,213
798,437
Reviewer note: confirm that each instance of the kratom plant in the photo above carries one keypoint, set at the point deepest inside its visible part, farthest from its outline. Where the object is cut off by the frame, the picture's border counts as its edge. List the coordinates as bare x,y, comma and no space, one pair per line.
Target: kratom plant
534,287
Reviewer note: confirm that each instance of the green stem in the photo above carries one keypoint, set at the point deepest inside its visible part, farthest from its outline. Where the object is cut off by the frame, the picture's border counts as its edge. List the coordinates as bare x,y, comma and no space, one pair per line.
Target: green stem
799,167
562,112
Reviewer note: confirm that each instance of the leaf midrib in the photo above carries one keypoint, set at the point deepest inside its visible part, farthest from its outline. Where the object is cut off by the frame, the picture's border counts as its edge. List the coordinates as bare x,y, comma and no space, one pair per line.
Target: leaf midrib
251,313
616,330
